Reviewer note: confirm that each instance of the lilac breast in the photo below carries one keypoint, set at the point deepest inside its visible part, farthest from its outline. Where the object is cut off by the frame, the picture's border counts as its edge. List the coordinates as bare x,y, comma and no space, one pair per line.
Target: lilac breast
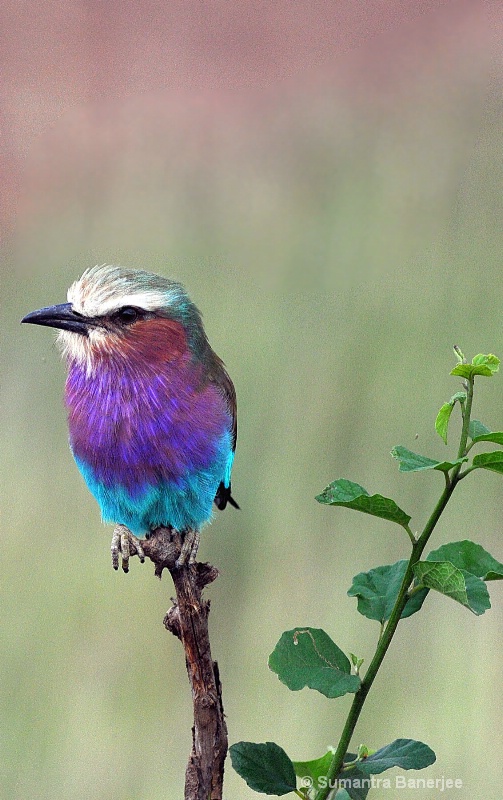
138,426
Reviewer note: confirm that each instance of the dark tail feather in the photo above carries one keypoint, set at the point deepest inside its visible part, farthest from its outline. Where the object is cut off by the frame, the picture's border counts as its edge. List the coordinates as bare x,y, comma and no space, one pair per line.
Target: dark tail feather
233,502
223,496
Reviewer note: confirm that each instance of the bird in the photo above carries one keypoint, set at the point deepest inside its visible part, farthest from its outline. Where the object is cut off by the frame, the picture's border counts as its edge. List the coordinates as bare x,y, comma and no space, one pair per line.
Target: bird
151,408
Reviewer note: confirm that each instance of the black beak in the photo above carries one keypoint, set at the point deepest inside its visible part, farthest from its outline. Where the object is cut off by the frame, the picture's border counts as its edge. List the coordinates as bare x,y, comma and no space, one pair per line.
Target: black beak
62,316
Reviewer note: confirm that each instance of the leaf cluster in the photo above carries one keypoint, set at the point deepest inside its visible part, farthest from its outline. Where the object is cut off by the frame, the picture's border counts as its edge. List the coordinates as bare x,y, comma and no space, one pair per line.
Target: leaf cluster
267,769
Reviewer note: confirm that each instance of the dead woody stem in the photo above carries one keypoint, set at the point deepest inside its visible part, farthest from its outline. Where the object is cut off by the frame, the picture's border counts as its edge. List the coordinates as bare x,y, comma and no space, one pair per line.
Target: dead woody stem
187,619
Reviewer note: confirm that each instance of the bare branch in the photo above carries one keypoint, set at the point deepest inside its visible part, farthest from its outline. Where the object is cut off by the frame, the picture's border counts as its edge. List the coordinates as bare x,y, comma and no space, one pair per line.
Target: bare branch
187,619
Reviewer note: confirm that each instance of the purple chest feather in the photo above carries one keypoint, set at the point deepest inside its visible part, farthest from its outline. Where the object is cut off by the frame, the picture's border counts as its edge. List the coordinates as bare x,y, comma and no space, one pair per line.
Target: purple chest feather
137,425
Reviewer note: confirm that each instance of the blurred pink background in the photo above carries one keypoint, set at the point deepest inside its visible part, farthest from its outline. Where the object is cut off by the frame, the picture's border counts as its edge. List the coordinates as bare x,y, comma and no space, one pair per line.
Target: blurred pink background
81,71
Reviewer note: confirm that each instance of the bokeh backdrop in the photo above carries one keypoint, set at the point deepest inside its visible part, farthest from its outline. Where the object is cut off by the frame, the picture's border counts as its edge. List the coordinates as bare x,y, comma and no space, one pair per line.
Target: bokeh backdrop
326,179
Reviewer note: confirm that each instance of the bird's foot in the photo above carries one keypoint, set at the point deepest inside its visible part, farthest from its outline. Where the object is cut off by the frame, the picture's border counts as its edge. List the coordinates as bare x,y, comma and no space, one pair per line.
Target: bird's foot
125,543
190,545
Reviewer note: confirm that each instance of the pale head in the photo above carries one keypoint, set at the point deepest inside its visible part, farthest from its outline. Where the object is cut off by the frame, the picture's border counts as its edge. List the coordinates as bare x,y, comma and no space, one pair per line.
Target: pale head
104,289
107,301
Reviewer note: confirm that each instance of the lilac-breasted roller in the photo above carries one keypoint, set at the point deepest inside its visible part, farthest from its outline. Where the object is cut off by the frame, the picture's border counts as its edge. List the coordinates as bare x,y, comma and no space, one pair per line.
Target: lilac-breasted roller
151,408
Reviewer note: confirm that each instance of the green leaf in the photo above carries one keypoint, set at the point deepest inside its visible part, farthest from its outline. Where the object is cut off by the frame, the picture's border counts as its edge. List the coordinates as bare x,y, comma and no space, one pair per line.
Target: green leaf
442,420
309,657
313,777
266,767
471,557
351,495
444,415
477,428
404,753
311,771
458,397
492,461
377,591
496,437
465,371
481,433
456,583
490,361
356,662
356,783
413,462
485,365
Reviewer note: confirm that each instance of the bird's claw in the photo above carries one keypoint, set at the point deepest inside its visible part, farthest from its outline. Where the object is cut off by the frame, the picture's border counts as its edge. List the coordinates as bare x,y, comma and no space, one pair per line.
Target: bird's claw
125,543
189,549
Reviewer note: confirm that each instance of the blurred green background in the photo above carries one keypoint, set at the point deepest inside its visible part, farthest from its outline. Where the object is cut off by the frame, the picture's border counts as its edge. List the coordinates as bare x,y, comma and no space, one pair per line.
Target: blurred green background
327,184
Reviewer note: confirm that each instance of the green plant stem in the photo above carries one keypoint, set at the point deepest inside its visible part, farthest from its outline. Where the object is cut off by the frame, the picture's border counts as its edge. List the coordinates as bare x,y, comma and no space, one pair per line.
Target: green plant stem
466,424
466,472
410,534
401,600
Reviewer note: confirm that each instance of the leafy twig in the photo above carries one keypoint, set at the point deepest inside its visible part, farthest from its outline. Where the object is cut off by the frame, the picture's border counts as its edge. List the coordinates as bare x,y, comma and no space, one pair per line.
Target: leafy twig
387,594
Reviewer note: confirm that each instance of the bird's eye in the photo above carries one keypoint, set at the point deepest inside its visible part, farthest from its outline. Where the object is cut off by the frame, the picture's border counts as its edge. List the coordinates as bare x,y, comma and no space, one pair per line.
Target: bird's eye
127,315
